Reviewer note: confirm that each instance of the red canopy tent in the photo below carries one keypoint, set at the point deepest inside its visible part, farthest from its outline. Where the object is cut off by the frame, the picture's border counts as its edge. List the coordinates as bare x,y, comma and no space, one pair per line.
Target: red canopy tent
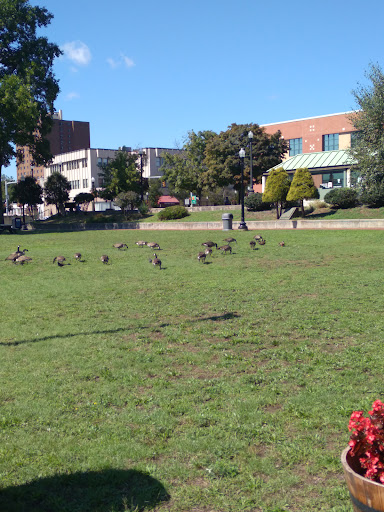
167,201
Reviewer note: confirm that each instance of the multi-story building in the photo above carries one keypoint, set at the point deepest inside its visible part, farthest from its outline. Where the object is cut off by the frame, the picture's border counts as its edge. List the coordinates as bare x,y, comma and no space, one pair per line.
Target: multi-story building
65,136
82,168
319,144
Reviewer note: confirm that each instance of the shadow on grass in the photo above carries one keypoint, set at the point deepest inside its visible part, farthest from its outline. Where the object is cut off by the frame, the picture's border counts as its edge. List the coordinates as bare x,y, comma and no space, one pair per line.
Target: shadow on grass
216,318
67,335
314,216
109,490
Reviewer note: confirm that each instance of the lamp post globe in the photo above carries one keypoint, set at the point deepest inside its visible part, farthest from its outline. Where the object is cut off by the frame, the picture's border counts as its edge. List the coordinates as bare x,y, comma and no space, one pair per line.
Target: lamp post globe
242,224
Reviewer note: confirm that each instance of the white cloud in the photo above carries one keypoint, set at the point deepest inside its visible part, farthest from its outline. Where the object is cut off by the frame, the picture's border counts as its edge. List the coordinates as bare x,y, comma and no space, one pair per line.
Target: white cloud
72,96
78,52
123,60
113,63
127,61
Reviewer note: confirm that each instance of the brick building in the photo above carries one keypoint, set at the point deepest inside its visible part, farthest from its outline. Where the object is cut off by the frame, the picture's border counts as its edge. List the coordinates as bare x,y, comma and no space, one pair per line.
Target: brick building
65,136
319,144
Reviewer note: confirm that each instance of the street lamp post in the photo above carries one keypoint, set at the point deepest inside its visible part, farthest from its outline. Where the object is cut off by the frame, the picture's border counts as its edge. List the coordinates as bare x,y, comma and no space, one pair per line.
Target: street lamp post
250,188
93,192
242,224
141,175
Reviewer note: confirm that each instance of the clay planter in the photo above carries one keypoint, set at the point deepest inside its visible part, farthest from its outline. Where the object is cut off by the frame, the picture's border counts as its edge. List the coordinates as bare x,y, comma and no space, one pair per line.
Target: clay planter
366,495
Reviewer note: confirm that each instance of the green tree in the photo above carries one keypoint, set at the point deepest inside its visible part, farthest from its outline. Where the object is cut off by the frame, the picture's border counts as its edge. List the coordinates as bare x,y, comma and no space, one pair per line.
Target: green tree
276,189
302,187
29,192
154,192
28,87
368,147
84,198
184,171
127,200
222,155
56,190
122,174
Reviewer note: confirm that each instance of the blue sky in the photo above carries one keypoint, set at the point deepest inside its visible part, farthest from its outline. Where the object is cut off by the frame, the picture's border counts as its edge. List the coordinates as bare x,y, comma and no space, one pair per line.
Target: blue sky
145,73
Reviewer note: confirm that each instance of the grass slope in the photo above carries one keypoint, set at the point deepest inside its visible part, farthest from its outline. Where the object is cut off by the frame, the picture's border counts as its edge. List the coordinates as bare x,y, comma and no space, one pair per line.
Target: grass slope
225,386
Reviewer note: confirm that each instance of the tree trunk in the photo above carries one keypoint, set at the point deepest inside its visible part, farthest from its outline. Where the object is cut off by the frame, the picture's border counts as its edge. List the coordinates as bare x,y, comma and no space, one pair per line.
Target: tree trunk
302,207
277,210
23,214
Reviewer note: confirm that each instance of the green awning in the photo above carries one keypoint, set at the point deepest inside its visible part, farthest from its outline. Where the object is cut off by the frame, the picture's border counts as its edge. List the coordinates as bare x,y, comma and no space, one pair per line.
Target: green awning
319,160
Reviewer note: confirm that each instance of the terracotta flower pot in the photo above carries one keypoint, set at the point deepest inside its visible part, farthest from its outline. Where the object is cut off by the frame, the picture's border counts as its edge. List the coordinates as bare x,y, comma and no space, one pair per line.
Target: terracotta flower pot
366,495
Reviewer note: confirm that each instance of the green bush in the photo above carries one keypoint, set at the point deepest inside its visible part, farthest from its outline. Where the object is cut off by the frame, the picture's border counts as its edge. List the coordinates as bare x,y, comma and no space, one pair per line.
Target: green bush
373,198
143,208
173,212
254,203
342,198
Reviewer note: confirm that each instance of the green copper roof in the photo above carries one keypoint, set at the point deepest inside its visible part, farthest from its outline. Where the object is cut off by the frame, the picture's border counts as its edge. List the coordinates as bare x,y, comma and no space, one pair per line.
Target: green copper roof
317,160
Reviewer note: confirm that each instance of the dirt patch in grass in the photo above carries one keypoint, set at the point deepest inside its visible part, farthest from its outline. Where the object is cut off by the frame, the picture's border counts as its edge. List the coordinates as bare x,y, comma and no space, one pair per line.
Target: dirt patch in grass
271,409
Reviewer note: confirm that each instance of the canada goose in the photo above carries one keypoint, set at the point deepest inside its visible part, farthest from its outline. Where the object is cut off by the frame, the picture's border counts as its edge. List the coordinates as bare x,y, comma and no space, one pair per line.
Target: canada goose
261,242
22,259
252,243
104,258
16,254
141,243
224,249
230,240
281,244
208,251
209,244
153,245
77,256
258,237
155,261
60,260
120,246
201,257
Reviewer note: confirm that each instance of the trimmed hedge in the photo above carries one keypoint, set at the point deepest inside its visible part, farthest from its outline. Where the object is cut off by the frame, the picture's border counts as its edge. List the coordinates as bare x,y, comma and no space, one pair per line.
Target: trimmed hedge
373,198
173,212
254,203
342,198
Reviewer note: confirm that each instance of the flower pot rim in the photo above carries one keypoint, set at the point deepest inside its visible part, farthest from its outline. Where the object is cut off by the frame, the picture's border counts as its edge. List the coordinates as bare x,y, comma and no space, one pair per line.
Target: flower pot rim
348,468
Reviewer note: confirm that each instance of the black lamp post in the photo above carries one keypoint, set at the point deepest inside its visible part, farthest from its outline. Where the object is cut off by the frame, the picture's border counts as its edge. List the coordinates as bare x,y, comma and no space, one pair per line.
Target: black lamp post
242,224
250,188
93,192
141,175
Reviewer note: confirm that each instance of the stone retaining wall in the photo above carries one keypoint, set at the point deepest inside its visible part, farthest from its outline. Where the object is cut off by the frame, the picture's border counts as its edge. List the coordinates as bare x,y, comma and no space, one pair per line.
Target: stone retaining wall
189,226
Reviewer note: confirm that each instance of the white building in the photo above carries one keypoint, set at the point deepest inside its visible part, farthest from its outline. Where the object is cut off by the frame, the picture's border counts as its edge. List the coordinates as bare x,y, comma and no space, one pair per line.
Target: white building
82,168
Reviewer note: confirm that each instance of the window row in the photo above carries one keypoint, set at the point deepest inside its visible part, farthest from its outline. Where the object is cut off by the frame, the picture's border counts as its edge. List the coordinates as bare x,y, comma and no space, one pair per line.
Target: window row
102,161
330,143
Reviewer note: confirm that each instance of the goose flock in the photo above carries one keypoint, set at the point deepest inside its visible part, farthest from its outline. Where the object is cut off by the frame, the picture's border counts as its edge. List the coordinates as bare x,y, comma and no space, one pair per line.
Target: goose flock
20,257
227,248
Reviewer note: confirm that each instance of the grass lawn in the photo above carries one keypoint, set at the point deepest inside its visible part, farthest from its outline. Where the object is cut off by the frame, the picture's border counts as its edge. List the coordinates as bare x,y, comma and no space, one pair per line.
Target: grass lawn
220,387
216,216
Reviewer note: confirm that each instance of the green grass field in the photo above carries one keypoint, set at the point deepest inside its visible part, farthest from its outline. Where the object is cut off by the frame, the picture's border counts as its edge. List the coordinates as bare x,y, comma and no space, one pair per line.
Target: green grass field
216,216
219,387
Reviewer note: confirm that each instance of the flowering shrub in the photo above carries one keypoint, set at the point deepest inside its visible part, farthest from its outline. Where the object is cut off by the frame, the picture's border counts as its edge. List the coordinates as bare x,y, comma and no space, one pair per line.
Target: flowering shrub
367,441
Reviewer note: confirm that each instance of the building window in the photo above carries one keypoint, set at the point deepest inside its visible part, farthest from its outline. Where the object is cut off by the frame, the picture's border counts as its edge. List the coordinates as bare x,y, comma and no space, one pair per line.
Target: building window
295,146
85,183
333,179
330,142
159,161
